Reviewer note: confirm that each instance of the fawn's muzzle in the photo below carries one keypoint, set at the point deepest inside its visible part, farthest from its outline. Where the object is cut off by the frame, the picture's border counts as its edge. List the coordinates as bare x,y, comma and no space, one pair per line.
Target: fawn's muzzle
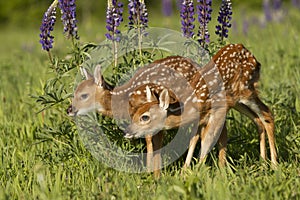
128,133
70,111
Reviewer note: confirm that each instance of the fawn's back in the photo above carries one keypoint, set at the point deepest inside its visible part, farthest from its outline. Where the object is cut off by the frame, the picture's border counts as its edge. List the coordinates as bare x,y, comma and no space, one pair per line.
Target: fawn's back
95,94
231,75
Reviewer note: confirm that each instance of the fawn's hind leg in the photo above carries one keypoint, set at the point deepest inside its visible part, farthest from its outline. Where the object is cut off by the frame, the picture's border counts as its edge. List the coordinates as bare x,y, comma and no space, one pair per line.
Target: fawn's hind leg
212,131
222,145
260,126
266,118
192,146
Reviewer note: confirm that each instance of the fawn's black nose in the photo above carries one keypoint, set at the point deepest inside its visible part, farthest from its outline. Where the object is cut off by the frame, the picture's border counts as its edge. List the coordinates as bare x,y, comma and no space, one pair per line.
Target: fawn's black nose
70,111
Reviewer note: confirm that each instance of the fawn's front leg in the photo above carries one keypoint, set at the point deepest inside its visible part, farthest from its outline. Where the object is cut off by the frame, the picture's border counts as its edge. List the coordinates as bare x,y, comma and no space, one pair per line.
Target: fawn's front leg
154,144
157,145
149,146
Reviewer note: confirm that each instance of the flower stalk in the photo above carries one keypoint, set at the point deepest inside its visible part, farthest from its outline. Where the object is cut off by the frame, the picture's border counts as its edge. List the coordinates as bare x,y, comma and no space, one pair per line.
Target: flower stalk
138,19
68,17
114,17
167,7
187,18
138,15
47,26
224,19
204,17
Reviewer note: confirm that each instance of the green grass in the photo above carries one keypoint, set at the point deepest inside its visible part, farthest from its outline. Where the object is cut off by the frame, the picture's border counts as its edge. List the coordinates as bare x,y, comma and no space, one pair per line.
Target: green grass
43,156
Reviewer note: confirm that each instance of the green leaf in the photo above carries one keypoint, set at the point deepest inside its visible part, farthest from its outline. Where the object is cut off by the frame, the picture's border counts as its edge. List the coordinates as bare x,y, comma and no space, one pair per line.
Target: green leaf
297,104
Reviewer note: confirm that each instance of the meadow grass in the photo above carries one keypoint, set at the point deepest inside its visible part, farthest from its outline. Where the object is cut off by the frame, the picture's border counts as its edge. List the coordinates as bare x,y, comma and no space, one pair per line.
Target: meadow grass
44,158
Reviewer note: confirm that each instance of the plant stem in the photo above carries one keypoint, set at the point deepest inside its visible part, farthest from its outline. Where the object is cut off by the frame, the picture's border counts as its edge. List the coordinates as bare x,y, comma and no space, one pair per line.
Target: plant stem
50,57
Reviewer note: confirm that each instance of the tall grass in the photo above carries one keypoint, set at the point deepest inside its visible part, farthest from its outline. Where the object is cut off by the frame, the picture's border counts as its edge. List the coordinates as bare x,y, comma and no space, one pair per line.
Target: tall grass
44,158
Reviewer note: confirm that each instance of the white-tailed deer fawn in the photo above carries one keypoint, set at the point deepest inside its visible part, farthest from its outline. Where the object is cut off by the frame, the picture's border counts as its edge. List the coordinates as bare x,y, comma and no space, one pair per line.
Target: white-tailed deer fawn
95,94
239,71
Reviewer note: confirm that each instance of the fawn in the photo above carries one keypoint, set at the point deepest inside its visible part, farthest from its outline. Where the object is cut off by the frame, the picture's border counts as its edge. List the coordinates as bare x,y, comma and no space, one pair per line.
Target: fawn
239,71
95,94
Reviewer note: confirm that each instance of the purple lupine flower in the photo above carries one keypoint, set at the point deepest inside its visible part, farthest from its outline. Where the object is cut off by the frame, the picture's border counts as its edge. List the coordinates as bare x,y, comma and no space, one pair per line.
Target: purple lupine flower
49,19
167,7
138,15
144,14
267,10
68,17
277,4
204,16
114,17
224,19
296,3
187,18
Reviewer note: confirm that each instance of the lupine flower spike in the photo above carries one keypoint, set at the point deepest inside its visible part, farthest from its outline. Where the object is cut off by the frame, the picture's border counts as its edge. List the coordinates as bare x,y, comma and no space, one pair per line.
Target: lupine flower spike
204,16
68,17
167,7
187,18
114,17
224,19
296,3
267,10
138,15
138,19
49,19
277,4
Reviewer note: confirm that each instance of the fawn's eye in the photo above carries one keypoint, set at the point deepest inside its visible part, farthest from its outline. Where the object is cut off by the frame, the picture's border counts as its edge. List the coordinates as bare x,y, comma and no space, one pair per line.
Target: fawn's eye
84,96
145,118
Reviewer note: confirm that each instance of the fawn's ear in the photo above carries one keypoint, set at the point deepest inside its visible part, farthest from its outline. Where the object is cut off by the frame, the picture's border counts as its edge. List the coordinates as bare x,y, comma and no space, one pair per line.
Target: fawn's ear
85,73
98,76
149,95
164,99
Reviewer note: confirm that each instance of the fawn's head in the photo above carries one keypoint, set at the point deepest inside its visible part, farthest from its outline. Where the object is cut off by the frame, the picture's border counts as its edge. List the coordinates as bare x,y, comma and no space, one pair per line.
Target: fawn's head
91,94
149,118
